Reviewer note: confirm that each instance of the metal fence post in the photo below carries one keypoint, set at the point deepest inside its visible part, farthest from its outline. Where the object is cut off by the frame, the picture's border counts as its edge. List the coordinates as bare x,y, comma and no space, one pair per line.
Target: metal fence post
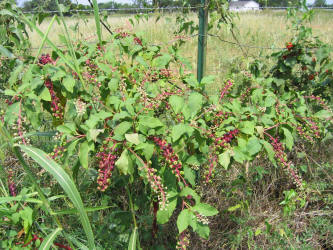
202,40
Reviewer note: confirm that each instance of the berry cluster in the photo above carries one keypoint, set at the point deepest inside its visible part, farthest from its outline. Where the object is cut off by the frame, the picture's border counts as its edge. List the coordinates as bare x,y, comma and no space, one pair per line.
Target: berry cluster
156,185
281,157
289,46
58,152
183,241
137,41
12,101
170,157
223,141
56,107
11,184
107,159
45,59
226,89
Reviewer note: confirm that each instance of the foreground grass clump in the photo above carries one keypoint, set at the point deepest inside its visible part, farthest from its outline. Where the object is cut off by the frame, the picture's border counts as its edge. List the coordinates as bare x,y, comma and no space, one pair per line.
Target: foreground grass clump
120,134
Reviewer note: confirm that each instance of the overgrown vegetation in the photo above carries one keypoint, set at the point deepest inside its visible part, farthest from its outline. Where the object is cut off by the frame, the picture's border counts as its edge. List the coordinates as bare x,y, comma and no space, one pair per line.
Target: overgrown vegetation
115,144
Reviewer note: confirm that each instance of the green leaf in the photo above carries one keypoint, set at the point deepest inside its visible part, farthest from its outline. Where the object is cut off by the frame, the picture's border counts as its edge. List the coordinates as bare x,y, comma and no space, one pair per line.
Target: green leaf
234,208
151,122
224,159
183,220
124,163
97,21
65,182
202,230
84,154
148,150
6,52
45,95
195,102
253,146
48,241
270,150
179,130
189,175
164,215
133,239
188,191
207,80
247,127
69,83
289,140
133,138
176,103
93,133
121,129
205,209
162,61
323,114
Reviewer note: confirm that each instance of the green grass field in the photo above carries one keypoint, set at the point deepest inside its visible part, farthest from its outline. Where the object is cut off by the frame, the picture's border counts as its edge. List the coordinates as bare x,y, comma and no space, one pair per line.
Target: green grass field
261,29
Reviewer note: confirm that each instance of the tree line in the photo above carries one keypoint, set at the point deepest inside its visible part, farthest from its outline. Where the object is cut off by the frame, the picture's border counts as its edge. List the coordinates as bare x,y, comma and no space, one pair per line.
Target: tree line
50,5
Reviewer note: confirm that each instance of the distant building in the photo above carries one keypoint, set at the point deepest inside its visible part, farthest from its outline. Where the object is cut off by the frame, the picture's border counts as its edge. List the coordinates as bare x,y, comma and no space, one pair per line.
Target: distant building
239,6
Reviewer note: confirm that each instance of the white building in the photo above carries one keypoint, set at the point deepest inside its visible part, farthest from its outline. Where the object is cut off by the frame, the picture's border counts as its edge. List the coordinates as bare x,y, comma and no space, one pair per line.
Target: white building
243,6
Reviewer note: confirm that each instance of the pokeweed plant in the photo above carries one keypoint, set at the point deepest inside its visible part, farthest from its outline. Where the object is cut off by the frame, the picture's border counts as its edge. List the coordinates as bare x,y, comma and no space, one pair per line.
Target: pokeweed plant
134,113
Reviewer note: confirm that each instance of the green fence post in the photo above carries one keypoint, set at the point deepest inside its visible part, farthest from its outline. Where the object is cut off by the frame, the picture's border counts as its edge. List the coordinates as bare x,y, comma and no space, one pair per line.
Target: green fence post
202,40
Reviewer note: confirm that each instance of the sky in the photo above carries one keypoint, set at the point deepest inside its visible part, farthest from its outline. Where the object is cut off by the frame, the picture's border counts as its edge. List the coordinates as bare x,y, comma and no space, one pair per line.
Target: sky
20,2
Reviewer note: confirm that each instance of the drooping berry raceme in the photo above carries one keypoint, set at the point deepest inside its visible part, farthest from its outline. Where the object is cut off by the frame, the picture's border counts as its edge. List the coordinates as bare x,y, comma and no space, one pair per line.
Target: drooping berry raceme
56,107
107,158
183,241
282,159
11,184
156,184
226,89
219,145
170,157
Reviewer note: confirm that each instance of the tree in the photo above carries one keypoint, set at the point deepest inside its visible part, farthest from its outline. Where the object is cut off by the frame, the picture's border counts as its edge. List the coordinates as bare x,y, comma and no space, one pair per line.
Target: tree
320,3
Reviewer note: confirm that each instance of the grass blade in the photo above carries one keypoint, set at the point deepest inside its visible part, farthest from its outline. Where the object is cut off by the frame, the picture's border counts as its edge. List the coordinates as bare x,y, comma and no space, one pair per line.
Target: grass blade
19,198
74,211
66,183
132,241
45,37
48,241
97,21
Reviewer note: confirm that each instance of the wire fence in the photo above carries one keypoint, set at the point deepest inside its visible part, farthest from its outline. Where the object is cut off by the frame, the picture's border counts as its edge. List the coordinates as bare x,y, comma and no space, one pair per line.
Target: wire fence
171,8
151,10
